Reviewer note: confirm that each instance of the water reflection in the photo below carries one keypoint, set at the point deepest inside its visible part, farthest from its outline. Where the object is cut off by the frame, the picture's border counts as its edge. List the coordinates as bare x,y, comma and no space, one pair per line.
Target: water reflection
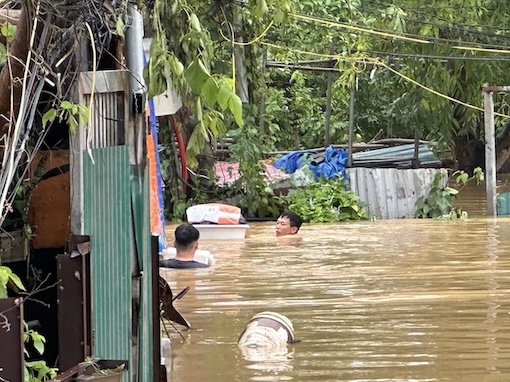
400,300
268,360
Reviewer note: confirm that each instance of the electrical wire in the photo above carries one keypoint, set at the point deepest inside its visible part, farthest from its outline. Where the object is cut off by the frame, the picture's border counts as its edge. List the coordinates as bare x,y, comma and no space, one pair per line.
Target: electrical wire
419,12
378,32
256,39
381,63
436,57
463,28
462,45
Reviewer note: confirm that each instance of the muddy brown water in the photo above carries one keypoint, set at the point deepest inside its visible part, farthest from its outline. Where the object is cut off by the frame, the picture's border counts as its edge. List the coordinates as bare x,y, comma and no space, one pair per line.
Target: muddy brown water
390,300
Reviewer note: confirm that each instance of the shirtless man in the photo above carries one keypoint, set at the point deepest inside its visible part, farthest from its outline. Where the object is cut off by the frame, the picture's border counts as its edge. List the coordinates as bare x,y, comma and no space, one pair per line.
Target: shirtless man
288,223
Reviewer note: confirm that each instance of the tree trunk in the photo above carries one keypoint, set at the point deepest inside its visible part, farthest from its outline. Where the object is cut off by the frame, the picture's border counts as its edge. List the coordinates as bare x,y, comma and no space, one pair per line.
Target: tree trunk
469,153
11,72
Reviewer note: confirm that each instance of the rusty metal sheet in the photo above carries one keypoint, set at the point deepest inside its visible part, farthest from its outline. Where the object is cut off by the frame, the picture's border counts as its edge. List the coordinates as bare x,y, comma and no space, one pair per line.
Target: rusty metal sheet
11,332
74,334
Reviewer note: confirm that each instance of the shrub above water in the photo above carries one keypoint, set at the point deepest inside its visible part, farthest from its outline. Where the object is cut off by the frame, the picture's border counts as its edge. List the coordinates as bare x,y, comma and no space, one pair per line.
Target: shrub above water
325,201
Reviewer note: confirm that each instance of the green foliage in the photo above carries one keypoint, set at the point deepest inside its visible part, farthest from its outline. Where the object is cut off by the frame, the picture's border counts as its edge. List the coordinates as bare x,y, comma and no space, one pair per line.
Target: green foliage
35,371
3,54
70,112
92,364
183,60
448,66
439,201
37,339
325,201
7,30
38,370
294,110
8,279
258,199
192,50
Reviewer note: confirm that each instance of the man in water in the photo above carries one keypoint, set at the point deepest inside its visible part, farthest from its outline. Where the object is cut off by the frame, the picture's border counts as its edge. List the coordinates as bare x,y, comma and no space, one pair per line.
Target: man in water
186,244
288,223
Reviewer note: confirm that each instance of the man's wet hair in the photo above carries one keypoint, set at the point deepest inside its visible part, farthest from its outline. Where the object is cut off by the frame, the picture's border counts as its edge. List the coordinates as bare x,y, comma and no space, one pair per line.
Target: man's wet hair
185,235
295,219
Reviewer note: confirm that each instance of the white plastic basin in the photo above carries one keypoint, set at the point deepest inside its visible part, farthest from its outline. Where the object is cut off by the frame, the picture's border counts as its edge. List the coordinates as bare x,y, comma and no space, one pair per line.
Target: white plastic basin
222,232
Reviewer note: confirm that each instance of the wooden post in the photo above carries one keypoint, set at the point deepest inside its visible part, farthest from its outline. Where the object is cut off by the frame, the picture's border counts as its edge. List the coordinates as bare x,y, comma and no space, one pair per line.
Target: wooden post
490,153
416,156
351,121
328,110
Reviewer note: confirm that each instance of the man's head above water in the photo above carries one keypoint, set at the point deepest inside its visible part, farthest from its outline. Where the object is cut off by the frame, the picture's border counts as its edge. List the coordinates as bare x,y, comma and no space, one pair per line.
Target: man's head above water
288,223
186,237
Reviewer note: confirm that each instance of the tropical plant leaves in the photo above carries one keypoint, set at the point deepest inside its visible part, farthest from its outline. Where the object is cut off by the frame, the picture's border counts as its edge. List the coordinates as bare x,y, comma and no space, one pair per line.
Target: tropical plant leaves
196,75
210,91
236,107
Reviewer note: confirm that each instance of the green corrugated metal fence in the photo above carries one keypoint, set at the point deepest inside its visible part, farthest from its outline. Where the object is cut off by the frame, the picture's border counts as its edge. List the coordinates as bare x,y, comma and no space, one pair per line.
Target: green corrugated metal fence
107,219
116,217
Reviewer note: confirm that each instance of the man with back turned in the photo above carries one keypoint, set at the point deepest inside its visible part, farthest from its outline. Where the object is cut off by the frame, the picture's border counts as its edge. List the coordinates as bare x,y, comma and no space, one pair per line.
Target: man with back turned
186,244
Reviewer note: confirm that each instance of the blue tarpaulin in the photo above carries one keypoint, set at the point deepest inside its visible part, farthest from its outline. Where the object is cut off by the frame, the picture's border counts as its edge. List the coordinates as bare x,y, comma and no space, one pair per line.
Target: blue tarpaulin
291,162
331,163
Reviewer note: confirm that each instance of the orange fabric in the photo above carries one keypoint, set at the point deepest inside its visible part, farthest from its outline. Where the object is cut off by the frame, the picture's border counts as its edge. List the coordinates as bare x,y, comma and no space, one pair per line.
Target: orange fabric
155,220
228,214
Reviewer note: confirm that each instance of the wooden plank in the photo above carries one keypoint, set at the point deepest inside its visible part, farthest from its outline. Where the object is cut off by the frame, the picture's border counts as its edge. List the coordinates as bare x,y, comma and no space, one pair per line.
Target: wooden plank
106,81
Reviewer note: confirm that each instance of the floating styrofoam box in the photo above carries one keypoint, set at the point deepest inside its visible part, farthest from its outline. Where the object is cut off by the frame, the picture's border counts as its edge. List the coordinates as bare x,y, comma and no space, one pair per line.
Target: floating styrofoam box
201,255
221,232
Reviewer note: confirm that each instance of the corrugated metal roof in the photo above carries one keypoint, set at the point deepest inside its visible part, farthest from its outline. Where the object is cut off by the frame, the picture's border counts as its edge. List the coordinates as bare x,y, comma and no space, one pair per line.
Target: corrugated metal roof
397,156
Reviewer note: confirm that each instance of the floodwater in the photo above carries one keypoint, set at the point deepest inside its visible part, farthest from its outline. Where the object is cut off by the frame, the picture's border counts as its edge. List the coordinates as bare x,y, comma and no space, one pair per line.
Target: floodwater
389,300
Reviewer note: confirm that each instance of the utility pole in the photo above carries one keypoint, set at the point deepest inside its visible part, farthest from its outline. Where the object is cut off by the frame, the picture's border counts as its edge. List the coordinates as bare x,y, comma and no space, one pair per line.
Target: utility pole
490,152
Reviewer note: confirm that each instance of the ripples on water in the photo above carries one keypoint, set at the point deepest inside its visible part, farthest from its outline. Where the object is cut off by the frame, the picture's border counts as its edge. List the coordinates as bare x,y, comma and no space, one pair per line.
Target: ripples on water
394,300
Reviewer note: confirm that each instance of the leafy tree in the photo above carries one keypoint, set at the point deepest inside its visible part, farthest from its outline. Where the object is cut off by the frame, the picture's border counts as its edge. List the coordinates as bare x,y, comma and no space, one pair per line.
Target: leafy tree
417,68
448,62
182,54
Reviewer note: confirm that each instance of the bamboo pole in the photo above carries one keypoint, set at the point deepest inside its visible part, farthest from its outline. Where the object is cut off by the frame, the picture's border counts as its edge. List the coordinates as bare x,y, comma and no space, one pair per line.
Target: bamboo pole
262,108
